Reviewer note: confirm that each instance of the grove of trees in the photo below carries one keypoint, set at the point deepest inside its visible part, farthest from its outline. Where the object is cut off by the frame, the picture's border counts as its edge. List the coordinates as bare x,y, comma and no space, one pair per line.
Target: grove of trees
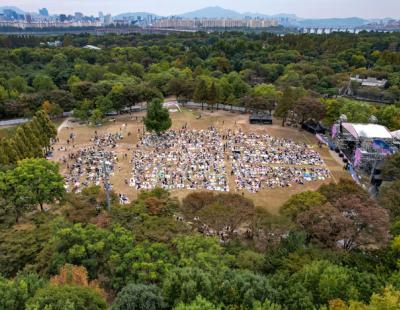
299,76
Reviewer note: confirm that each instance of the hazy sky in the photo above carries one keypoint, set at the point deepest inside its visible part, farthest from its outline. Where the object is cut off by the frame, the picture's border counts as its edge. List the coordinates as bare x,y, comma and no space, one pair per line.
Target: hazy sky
303,8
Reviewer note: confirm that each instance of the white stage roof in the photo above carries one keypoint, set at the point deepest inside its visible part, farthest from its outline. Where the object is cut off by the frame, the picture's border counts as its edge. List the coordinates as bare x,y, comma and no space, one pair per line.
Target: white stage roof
396,134
370,131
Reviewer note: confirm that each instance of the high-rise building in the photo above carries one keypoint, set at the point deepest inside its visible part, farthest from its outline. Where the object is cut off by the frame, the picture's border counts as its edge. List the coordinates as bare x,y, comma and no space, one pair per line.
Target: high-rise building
28,18
44,12
78,15
108,19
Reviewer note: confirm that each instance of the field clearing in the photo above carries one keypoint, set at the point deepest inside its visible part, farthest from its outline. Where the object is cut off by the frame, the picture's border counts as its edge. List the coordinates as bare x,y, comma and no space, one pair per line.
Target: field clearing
270,199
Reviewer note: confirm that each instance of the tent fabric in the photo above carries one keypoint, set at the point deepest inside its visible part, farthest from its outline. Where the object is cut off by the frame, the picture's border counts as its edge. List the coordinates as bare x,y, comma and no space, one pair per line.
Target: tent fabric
396,134
349,127
370,131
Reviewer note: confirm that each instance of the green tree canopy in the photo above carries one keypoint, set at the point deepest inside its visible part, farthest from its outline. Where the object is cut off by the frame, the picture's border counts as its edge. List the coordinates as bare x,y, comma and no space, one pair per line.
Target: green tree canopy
139,297
68,297
157,118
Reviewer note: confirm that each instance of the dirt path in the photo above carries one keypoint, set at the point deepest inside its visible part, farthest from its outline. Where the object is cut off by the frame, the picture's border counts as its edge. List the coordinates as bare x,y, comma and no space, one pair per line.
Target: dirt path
63,124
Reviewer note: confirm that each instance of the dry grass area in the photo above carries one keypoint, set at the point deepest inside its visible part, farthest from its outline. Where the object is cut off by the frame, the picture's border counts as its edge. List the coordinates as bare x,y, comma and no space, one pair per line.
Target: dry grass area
271,199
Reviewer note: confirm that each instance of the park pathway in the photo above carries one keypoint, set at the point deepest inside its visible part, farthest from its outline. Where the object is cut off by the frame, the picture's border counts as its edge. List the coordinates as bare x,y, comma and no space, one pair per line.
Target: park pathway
63,124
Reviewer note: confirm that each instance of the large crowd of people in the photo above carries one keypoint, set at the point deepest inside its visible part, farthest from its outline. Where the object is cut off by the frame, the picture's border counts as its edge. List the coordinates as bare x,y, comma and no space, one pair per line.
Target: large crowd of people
265,162
183,159
87,165
190,159
196,159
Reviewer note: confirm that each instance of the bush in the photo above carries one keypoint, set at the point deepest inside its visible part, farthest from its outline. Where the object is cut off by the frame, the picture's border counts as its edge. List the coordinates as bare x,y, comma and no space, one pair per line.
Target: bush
60,297
139,297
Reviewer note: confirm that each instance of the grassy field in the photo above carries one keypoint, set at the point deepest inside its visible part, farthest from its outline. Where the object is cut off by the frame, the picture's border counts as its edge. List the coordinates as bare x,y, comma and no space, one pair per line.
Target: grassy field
270,199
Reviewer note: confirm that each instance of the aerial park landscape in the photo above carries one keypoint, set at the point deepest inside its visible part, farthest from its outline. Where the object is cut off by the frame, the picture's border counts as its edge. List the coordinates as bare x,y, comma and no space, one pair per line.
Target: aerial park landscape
210,160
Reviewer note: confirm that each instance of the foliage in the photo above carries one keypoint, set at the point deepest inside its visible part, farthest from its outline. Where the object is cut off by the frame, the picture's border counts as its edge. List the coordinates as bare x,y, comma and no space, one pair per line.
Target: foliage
139,297
389,198
327,281
66,297
200,251
29,140
184,284
356,112
218,210
302,202
345,187
287,102
198,304
391,167
19,248
38,181
75,275
157,118
309,108
349,223
14,293
33,182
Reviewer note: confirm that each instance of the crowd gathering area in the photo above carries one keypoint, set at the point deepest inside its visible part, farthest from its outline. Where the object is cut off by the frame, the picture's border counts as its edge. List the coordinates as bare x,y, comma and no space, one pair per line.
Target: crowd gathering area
220,153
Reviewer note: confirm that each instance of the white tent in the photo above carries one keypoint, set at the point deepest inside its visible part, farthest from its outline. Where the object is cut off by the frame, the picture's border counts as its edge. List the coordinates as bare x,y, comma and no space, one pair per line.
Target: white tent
396,134
172,104
369,131
92,47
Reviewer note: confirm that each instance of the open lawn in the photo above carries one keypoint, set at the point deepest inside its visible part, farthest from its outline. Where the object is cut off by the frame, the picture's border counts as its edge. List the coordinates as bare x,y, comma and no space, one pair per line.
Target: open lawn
270,199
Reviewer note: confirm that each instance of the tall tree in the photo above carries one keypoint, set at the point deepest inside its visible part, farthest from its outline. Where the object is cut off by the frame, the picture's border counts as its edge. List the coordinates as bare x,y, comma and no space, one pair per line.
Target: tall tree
48,127
139,297
157,118
212,95
10,195
219,211
349,223
389,198
67,297
38,181
43,83
309,108
391,167
200,92
286,104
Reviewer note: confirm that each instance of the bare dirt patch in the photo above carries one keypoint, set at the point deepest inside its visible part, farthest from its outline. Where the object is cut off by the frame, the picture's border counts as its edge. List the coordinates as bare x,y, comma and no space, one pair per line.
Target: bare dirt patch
270,199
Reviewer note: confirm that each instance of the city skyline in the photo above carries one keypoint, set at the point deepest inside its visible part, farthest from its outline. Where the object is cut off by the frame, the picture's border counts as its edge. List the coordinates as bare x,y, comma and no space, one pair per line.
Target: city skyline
304,8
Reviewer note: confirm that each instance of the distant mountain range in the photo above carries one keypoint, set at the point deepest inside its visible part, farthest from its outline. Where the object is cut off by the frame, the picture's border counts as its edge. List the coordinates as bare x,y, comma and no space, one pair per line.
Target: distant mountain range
134,15
289,19
284,19
14,8
212,12
218,12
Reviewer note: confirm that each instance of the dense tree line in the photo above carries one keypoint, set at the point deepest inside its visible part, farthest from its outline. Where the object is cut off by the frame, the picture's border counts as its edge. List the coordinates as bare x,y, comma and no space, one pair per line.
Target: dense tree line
255,70
30,140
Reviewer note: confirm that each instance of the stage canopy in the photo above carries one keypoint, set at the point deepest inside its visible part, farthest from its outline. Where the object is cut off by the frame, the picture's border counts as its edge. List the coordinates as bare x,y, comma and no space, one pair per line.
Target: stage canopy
369,131
396,134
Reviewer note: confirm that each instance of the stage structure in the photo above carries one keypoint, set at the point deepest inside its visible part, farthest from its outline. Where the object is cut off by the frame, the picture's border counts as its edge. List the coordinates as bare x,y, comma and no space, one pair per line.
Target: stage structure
364,145
261,119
